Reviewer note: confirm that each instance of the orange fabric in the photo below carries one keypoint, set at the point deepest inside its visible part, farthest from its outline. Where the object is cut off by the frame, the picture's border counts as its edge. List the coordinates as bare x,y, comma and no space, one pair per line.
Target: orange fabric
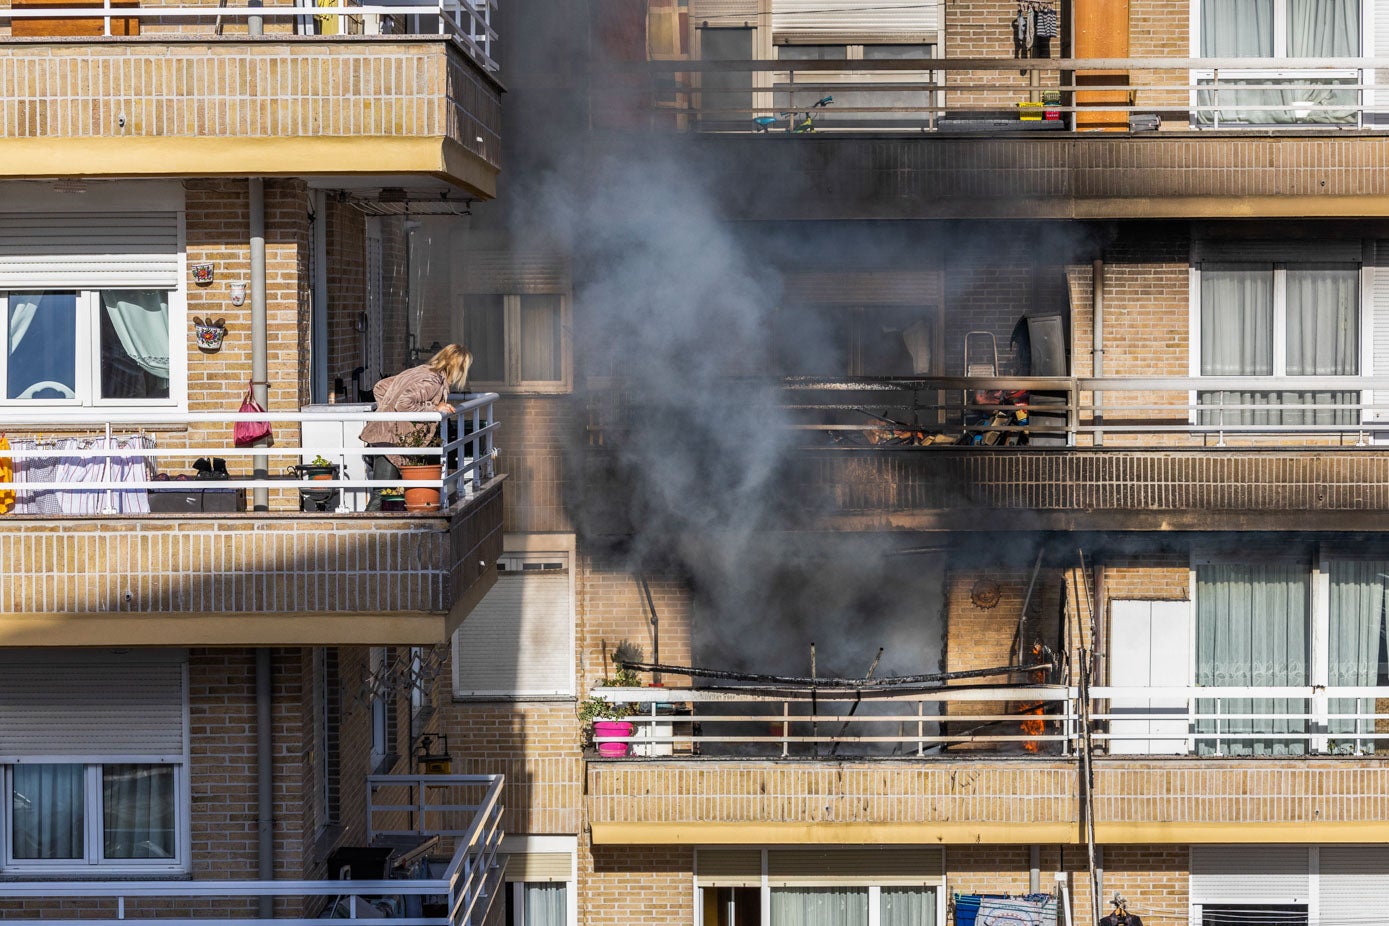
6,475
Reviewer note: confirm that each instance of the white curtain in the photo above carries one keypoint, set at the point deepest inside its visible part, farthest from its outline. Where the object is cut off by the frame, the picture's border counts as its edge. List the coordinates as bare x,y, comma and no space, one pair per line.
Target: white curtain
820,906
1357,627
908,906
47,812
138,811
1244,29
1323,338
540,338
545,904
1252,630
1236,336
141,322
22,310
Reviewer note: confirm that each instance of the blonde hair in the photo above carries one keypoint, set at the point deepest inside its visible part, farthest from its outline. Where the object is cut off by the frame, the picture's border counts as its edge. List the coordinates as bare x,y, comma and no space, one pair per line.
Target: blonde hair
452,363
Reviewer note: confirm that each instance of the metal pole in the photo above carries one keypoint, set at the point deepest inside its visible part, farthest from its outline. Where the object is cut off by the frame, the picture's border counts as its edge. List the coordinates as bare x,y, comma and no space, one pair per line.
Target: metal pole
1097,345
260,366
265,780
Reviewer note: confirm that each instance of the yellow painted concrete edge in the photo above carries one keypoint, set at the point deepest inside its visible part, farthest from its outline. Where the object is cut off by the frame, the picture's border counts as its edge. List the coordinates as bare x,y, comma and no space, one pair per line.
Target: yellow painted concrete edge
299,156
394,628
713,834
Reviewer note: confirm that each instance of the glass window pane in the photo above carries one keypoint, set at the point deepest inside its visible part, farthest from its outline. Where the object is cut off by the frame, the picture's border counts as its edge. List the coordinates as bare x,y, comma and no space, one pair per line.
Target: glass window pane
811,52
896,51
134,344
541,339
908,906
47,812
1323,28
483,323
43,346
1237,28
545,904
820,906
138,811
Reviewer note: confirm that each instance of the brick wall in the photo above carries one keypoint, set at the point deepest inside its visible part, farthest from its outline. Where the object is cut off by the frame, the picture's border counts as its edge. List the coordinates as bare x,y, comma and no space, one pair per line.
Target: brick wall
641,885
533,457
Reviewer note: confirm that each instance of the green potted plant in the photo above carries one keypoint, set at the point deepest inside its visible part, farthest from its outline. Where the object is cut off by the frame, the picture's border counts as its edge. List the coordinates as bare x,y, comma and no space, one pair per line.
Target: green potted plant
422,467
320,468
603,718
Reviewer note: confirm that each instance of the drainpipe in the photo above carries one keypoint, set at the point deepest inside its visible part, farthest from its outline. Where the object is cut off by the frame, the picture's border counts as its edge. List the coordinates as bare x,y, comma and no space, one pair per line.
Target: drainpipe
1034,872
265,781
260,366
1097,348
255,25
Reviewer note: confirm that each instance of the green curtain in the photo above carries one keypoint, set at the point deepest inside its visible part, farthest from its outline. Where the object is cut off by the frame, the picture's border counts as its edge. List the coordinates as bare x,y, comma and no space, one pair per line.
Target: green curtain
1252,630
1358,593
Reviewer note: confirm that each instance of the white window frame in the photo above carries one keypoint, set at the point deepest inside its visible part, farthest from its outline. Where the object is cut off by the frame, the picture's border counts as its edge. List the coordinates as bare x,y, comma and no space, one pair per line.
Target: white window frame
380,704
524,845
1316,560
87,374
1280,321
872,884
93,820
511,348
519,550
1280,50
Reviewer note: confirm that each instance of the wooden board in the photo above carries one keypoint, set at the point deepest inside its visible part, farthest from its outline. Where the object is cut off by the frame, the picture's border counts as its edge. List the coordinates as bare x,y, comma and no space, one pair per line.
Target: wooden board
1102,31
82,27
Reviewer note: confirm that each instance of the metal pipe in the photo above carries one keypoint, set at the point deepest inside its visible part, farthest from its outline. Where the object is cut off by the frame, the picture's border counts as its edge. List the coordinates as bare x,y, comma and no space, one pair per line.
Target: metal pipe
260,366
265,780
255,25
318,344
827,682
1097,343
1034,873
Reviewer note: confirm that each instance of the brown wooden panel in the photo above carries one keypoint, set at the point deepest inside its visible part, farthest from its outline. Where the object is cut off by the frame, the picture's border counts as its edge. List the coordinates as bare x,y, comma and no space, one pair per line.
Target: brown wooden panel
85,28
1102,31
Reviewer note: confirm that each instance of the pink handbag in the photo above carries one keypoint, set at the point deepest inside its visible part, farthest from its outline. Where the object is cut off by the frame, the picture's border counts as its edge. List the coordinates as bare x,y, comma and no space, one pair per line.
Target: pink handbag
247,433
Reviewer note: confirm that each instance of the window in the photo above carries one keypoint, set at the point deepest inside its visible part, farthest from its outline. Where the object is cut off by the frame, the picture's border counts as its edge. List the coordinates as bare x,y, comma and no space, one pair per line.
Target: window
380,707
842,340
1259,624
726,100
519,641
519,342
902,886
1279,319
540,874
862,108
86,347
93,767
1278,29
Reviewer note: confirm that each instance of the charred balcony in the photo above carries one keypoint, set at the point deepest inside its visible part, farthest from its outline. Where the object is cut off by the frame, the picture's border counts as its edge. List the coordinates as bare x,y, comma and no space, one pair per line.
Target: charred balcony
1049,453
1073,138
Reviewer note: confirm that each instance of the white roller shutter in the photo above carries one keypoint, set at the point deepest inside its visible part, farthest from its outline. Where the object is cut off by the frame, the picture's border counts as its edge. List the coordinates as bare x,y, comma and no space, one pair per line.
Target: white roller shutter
92,704
1250,874
806,18
723,12
89,250
534,867
519,640
514,273
1354,882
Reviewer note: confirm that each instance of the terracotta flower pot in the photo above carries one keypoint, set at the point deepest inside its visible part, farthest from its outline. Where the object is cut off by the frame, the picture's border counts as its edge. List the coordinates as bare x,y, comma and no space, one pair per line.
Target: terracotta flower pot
419,498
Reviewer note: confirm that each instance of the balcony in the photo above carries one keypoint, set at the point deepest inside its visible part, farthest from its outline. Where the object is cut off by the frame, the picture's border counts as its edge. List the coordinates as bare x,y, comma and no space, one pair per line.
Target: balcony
977,138
1059,453
336,90
95,566
461,814
991,764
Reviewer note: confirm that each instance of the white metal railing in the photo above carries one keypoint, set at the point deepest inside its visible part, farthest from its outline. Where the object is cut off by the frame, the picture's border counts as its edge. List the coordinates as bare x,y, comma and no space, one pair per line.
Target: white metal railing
829,722
468,22
466,452
1209,410
1020,719
466,888
1235,720
979,94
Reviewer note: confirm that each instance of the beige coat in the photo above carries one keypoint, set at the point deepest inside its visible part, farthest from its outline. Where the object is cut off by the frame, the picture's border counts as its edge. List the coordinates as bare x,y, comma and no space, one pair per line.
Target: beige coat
418,389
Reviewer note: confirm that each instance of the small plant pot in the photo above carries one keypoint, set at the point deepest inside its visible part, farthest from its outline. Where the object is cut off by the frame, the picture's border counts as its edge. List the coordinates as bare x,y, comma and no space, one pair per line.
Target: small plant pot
613,728
421,498
392,503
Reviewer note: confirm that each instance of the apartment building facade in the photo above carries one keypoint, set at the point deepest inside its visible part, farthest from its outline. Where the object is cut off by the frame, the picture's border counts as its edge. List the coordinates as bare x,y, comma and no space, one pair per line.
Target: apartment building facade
220,669
1014,482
